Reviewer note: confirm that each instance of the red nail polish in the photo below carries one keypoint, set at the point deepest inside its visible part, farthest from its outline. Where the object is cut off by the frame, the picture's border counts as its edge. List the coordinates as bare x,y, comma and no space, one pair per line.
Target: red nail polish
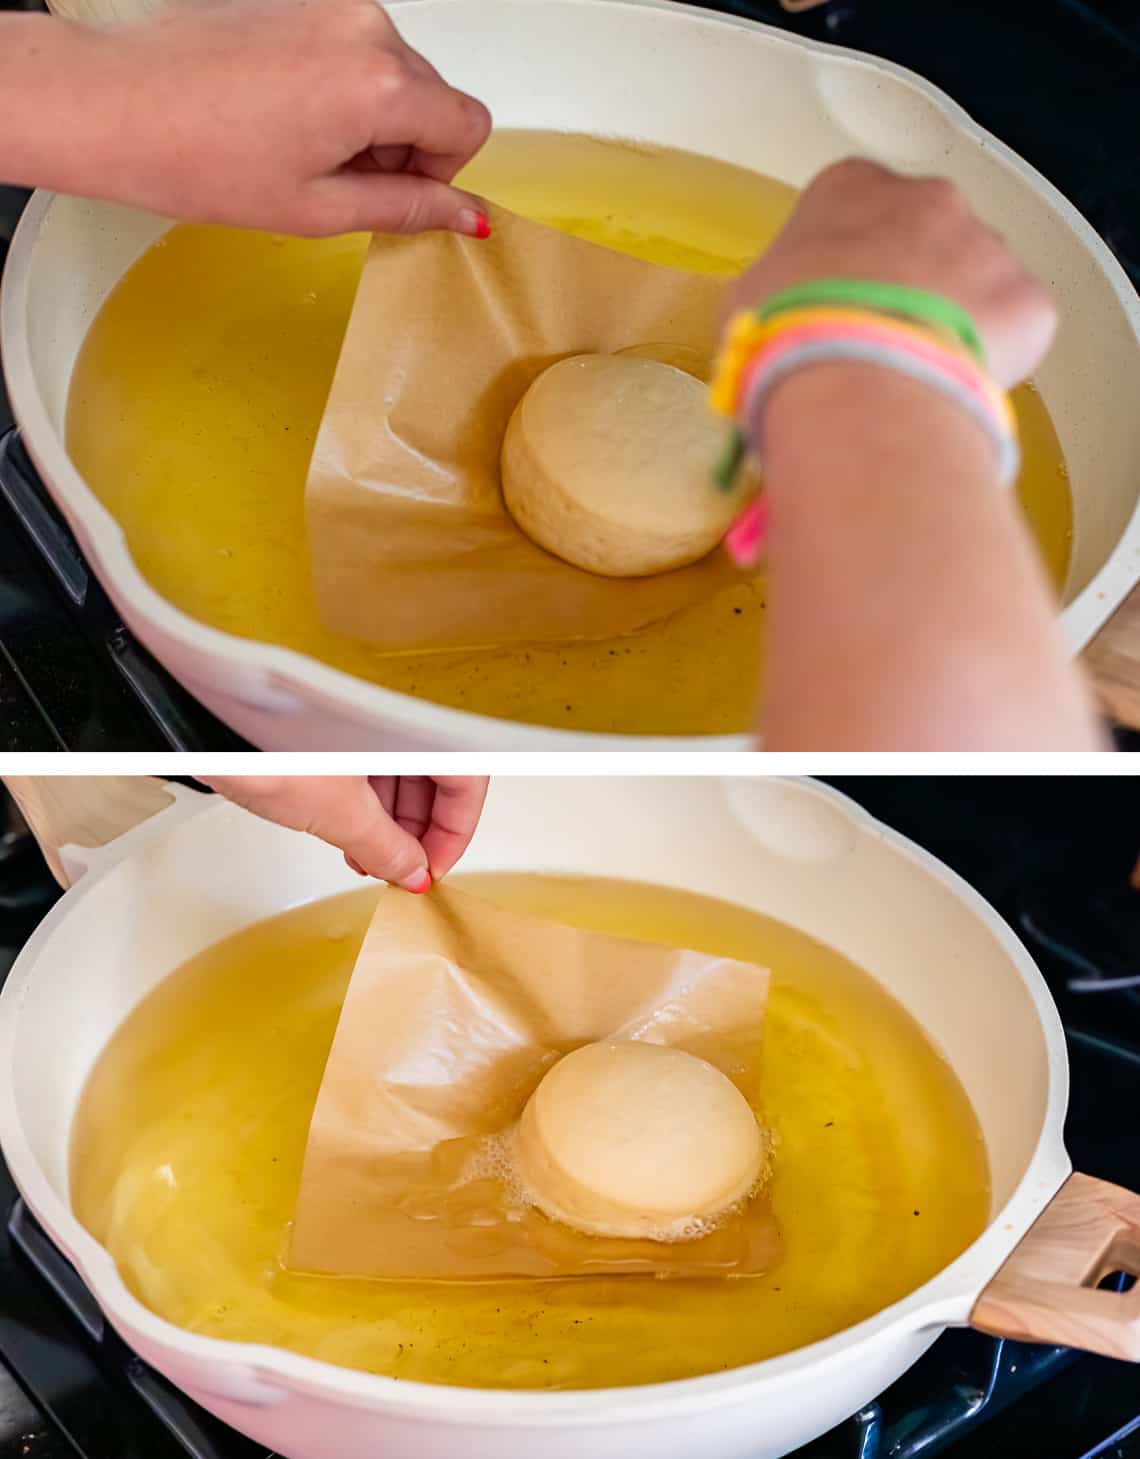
482,226
418,884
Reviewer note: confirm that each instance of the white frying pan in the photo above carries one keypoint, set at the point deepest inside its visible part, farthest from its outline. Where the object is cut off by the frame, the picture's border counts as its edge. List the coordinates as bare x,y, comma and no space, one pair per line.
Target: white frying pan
649,71
195,873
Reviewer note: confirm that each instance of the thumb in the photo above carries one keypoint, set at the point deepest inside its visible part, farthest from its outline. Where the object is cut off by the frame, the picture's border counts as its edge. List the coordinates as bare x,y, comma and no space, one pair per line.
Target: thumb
400,202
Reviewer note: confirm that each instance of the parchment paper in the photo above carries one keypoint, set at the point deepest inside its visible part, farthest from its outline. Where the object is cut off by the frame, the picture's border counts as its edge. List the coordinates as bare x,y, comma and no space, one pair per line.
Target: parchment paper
409,540
455,1010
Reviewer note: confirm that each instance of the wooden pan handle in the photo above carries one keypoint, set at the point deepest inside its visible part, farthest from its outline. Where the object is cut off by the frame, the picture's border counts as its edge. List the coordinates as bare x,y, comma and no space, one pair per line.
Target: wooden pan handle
1046,1291
83,810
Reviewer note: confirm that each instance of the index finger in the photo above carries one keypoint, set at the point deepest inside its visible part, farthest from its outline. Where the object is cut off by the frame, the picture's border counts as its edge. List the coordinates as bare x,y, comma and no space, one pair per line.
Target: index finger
444,127
455,812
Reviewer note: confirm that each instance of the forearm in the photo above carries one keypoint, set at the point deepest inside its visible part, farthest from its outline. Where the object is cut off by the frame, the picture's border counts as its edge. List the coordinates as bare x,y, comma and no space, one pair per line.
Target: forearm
57,104
907,609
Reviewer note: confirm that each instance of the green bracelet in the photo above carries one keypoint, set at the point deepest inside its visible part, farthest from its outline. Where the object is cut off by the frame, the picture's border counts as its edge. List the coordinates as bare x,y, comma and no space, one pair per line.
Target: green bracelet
735,450
932,310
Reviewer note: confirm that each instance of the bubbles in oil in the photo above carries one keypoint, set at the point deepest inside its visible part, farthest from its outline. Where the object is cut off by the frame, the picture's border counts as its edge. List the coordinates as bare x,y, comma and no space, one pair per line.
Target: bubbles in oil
491,1159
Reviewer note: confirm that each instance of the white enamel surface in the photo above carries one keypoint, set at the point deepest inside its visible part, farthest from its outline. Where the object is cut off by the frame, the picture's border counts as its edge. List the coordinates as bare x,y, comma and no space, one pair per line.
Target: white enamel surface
792,849
636,69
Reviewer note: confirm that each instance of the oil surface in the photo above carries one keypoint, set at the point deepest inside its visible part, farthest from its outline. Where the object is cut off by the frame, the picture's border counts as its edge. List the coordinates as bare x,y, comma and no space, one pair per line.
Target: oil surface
197,396
187,1152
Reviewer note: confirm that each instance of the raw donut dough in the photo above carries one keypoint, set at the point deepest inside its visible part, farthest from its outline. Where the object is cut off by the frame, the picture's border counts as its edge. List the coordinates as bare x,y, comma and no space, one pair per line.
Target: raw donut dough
607,463
634,1139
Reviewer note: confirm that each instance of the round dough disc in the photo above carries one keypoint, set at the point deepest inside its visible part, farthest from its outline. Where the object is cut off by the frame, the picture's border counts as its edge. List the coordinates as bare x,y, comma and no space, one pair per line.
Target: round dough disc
607,463
634,1139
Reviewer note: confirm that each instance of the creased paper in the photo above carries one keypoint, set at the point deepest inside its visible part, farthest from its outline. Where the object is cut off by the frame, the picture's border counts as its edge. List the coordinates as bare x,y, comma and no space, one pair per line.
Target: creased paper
410,543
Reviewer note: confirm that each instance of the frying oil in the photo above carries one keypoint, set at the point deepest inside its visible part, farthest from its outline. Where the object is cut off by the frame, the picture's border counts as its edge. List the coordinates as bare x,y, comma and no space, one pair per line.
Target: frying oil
197,395
187,1153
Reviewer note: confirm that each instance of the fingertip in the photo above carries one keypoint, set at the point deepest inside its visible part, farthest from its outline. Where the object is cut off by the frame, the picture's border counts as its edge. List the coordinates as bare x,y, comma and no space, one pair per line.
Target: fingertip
419,882
474,224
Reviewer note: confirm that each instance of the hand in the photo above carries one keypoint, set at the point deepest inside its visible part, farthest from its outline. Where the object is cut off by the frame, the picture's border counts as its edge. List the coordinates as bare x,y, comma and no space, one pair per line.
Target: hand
858,220
406,829
907,609
304,116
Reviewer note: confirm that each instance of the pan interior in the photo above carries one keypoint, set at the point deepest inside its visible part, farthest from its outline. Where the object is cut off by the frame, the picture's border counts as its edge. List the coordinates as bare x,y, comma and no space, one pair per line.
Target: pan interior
187,1146
201,452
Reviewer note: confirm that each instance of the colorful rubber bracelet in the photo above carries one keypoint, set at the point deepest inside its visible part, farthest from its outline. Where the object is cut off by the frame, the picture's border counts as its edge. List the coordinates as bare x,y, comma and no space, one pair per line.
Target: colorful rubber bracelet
934,311
794,354
790,332
900,340
747,337
747,334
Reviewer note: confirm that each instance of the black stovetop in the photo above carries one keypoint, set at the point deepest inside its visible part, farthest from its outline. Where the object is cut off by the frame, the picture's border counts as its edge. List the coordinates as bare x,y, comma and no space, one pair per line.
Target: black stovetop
1056,79
1053,856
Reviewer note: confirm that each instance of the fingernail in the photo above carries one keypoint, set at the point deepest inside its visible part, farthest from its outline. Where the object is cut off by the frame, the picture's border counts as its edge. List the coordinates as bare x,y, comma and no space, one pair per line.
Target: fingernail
474,223
354,865
418,882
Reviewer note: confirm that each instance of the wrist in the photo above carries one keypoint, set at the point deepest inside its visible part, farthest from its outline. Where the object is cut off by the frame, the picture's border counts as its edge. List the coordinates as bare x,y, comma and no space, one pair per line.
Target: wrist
849,410
58,81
